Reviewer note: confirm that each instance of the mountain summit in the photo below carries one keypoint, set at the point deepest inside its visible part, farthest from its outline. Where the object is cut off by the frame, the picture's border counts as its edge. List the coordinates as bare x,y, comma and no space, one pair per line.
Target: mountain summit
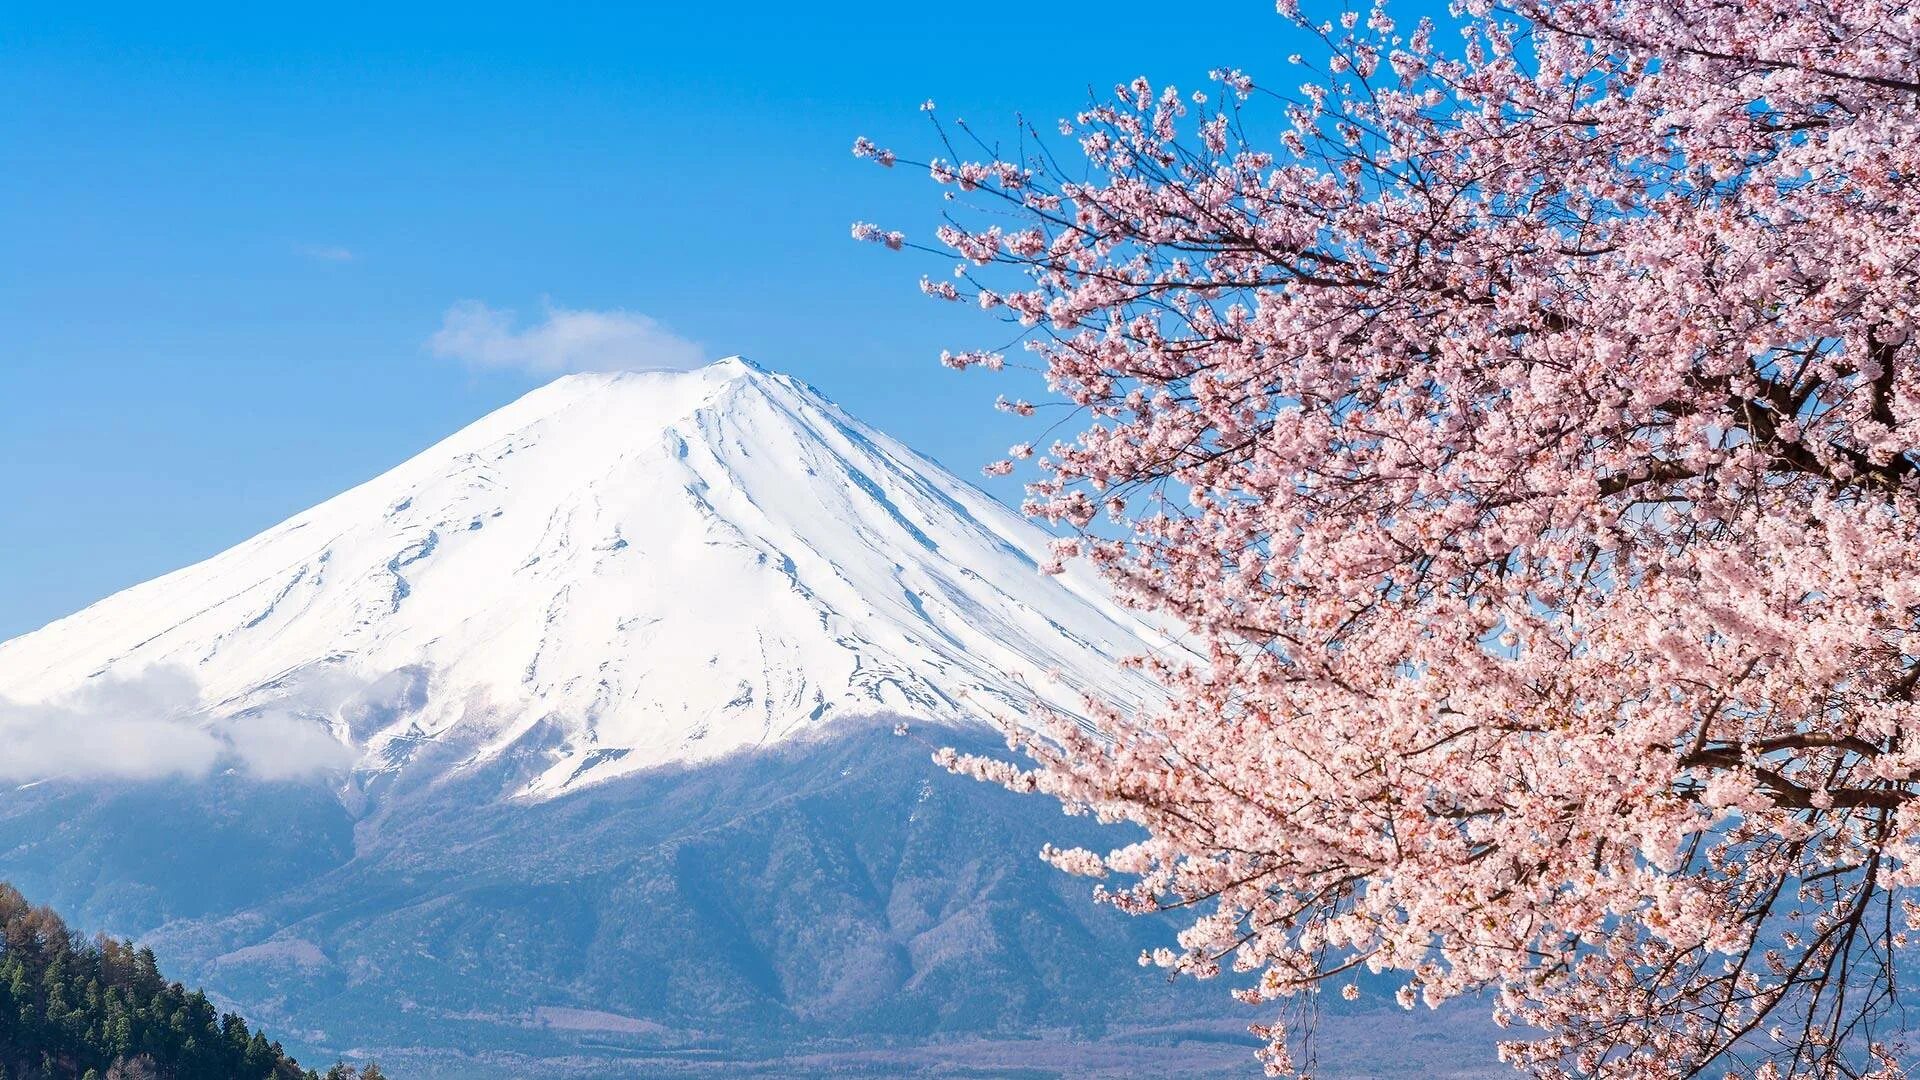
616,571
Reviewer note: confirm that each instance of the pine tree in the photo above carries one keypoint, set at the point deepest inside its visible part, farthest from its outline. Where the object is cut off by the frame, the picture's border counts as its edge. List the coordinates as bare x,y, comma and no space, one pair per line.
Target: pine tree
76,1007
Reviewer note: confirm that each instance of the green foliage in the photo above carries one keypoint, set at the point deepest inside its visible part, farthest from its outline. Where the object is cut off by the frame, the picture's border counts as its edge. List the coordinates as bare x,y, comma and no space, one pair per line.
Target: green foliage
74,1009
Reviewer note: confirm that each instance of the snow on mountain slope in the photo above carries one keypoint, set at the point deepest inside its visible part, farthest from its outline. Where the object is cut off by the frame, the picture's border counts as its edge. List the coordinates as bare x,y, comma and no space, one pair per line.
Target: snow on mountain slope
617,571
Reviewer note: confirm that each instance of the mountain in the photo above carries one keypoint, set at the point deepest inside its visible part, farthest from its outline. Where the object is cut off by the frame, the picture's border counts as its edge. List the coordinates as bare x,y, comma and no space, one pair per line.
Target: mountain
614,572
611,680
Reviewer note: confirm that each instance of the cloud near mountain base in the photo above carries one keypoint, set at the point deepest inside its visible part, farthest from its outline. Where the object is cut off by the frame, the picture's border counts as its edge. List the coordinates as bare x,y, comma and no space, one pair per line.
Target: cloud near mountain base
153,725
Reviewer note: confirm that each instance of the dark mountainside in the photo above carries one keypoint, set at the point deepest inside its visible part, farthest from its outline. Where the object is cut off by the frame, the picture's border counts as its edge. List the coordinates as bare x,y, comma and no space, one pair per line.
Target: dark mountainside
838,905
79,1009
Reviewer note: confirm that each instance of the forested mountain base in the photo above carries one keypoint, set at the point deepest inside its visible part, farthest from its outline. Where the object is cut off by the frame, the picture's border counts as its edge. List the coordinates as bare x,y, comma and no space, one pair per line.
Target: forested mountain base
100,1010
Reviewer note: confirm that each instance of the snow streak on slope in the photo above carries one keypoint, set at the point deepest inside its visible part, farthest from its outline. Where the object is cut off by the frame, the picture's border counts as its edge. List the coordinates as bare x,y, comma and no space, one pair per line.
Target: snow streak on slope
617,571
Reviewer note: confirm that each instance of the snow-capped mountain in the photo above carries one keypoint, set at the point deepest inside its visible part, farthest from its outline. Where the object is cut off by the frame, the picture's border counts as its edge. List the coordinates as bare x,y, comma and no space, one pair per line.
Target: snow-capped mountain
612,572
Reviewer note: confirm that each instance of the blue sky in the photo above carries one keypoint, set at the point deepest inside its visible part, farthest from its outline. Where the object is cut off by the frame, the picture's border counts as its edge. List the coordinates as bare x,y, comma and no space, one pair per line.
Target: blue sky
226,234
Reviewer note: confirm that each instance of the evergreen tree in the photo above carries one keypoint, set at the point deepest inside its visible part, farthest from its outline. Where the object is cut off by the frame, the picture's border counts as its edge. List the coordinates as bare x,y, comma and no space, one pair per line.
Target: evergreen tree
79,1009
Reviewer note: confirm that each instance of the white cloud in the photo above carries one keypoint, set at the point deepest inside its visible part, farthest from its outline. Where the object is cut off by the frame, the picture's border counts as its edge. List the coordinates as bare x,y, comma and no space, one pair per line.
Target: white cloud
566,340
326,252
153,725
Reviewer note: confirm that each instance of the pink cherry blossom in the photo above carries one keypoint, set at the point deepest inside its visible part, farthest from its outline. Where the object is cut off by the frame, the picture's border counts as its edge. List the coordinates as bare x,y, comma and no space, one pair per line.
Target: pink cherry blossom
863,230
1528,437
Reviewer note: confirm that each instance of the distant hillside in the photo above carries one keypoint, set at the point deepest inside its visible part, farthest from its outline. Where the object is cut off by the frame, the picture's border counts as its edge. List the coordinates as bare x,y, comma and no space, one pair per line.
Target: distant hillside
101,1010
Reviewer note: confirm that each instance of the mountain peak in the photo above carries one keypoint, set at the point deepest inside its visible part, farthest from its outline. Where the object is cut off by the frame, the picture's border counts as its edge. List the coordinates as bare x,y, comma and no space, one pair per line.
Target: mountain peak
612,572
722,369
633,397
740,363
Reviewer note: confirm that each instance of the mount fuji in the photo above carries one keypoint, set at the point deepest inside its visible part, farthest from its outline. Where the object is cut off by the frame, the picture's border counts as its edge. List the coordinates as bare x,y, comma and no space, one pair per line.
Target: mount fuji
613,572
605,687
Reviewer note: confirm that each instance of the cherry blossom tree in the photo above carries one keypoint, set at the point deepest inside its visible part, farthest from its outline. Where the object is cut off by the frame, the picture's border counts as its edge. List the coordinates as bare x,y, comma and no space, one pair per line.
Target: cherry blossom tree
1523,414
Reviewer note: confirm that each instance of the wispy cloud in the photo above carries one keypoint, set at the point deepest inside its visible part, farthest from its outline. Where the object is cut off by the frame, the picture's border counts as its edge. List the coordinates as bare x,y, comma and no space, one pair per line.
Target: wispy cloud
325,252
565,340
153,725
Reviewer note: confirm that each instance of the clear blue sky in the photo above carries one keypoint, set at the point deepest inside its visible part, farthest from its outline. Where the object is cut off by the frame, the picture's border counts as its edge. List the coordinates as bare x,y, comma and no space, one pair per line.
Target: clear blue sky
226,233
